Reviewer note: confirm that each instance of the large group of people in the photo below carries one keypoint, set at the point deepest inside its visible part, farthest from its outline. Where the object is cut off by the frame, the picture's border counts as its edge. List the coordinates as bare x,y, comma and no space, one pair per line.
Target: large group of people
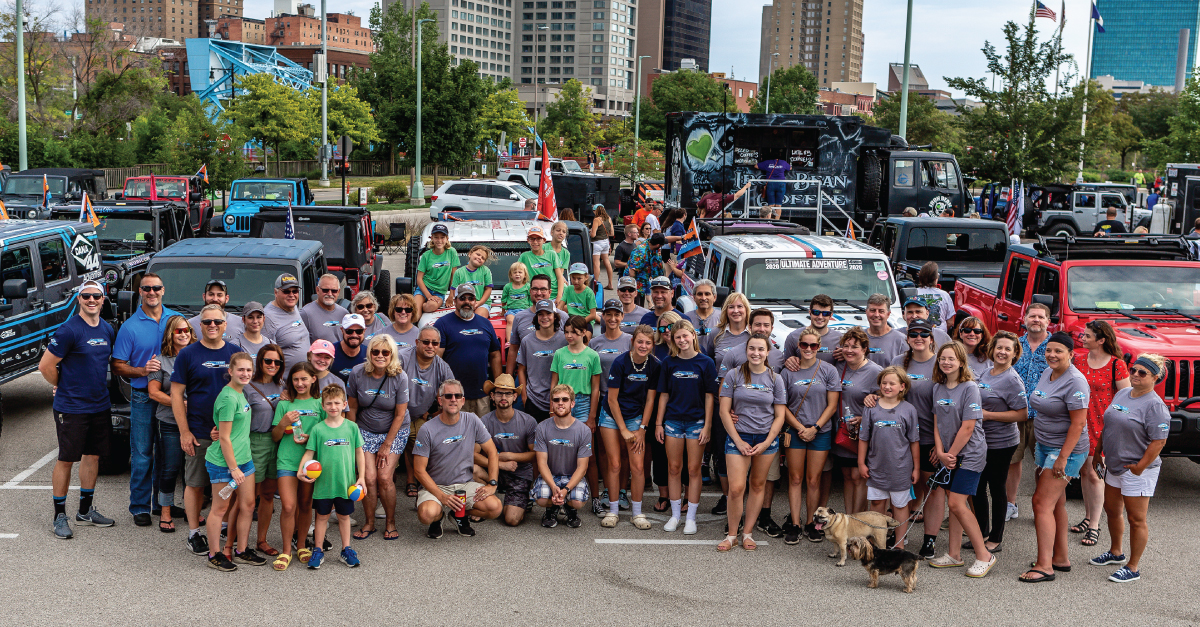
918,420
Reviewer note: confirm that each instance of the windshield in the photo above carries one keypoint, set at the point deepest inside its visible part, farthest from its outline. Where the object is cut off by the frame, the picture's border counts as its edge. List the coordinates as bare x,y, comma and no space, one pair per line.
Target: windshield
522,191
956,244
332,235
789,278
125,230
571,166
247,280
32,185
262,190
140,188
1115,287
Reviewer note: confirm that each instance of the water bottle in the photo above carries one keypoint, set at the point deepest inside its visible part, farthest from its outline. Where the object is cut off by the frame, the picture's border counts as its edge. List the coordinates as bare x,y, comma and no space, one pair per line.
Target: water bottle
297,432
227,491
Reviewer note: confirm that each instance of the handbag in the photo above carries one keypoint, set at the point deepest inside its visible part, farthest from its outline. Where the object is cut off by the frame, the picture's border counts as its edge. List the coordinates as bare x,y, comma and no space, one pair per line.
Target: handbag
846,437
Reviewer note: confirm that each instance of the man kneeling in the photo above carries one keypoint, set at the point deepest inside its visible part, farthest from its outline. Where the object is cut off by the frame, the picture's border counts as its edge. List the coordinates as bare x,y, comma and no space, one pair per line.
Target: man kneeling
562,446
512,433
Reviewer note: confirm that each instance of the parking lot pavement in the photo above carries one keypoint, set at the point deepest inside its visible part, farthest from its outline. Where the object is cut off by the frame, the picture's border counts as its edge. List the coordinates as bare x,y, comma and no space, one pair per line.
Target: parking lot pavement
586,576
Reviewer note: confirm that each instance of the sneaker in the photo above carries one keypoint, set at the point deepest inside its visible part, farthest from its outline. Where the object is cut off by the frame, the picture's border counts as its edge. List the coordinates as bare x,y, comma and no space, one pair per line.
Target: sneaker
550,517
814,534
641,522
1124,575
197,544
349,557
791,534
928,549
600,507
721,508
671,525
463,525
96,519
435,529
624,501
689,527
1011,513
1108,558
249,556
314,562
62,528
573,520
768,526
221,562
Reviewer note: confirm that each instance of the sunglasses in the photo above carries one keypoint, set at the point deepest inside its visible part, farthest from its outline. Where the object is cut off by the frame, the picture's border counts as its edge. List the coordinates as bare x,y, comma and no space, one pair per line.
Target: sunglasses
499,392
366,306
404,310
379,353
561,399
1139,372
327,290
152,288
452,396
466,297
212,321
970,330
818,312
431,342
183,331
272,362
919,334
810,346
91,296
353,331
627,289
291,292
663,329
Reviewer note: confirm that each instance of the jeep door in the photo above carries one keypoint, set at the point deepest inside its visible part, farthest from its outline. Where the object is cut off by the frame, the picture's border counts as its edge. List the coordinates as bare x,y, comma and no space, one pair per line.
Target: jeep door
1114,199
22,330
940,187
1084,210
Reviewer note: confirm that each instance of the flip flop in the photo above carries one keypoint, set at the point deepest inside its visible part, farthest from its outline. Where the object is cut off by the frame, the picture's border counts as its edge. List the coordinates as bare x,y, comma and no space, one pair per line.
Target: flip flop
363,534
391,534
269,551
166,526
1043,576
662,505
411,490
1061,569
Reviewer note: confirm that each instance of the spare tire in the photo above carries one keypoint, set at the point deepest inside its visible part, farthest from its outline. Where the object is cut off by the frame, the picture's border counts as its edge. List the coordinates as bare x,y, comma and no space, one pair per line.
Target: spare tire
413,253
870,178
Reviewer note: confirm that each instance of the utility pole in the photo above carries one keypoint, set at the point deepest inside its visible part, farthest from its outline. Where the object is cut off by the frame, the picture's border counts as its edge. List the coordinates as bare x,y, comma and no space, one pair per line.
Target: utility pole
637,122
324,182
904,82
770,68
22,147
418,191
540,27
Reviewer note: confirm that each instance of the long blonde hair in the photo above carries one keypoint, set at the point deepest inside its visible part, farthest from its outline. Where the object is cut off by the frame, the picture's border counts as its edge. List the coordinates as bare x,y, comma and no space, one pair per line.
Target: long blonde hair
676,327
723,321
960,352
666,320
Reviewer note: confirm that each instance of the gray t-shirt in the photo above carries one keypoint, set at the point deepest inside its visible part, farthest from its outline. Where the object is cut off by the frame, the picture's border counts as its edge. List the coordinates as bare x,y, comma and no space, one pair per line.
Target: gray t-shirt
403,340
514,436
375,325
977,365
829,343
262,408
330,379
1053,402
537,356
808,403
705,327
890,434
718,346
856,385
423,383
233,328
1130,425
321,324
754,402
883,349
377,398
736,356
563,447
939,337
608,350
163,376
289,332
523,326
920,377
954,406
253,348
1002,392
630,321
451,448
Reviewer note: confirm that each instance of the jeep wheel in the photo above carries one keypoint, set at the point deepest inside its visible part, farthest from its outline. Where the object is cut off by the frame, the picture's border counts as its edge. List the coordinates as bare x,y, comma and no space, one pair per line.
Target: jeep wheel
1062,229
869,177
117,459
383,288
412,254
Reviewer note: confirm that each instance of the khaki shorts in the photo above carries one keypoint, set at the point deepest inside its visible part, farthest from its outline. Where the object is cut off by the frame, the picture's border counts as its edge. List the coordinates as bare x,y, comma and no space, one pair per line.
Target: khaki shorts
479,406
195,473
773,472
469,487
262,451
413,428
1027,442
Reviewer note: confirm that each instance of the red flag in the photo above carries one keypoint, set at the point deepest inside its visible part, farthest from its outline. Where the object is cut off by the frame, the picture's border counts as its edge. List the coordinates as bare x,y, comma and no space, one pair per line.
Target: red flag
547,208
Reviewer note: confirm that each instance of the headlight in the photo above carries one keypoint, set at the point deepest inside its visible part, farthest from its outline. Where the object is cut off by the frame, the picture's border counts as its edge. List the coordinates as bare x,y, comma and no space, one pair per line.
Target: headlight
229,220
111,275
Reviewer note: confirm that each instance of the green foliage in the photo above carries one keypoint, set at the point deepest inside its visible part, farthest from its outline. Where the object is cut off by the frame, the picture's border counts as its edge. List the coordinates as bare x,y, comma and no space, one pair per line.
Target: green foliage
570,116
502,112
348,115
392,191
653,122
1151,113
1126,136
354,197
270,112
194,140
793,90
616,132
690,91
44,151
646,164
926,125
1183,143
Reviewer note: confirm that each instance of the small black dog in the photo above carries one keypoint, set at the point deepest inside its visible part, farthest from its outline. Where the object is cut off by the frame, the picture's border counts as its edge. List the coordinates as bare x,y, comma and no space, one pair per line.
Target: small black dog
884,562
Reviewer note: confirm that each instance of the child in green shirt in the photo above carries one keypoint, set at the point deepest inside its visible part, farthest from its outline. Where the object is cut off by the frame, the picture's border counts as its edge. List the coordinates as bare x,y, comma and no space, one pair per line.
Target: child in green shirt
295,498
230,463
516,293
477,275
434,271
580,299
541,260
578,366
337,444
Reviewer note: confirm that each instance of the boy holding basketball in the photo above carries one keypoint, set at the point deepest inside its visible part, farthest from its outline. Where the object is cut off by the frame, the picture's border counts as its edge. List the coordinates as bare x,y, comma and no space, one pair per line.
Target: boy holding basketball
336,443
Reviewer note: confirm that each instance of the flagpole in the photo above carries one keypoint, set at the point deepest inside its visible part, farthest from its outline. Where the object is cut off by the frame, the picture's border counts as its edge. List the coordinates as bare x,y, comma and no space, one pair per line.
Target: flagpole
1058,49
1087,79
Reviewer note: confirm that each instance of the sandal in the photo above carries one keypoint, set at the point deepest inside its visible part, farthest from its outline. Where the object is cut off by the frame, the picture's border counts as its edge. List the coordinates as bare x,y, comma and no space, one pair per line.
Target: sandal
663,505
748,543
411,489
609,521
166,526
1090,537
1083,526
304,554
1041,576
282,562
1056,567
266,549
728,543
363,534
391,534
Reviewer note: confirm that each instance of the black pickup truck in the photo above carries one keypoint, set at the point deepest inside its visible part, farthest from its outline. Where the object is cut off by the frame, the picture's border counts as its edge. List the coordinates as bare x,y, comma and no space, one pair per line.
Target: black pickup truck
962,247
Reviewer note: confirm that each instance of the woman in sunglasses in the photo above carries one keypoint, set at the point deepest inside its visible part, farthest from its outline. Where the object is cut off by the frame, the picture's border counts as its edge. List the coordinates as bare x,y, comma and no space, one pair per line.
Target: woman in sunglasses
858,380
919,363
377,394
402,329
1135,429
367,306
177,335
812,402
974,336
1002,394
263,393
425,371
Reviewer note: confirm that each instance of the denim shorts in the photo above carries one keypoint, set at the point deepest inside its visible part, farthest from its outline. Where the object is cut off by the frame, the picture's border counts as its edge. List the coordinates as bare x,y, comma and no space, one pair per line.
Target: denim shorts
417,292
513,312
607,422
753,439
776,190
580,492
279,472
963,481
1045,456
221,474
684,430
822,442
583,406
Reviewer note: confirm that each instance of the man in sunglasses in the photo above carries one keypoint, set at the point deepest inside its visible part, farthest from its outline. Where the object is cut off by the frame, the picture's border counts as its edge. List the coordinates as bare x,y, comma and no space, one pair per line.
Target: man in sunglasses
523,322
915,309
469,342
284,322
562,446
323,316
820,313
512,432
216,293
631,312
135,356
78,355
349,352
660,297
426,372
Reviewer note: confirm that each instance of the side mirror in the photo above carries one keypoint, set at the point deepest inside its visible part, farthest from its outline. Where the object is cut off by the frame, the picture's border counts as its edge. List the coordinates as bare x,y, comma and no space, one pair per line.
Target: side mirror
171,241
125,302
514,197
404,285
722,294
1044,299
195,196
119,195
16,288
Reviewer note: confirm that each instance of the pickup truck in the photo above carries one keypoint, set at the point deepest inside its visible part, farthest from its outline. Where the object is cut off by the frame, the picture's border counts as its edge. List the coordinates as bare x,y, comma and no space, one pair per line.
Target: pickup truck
1069,210
188,190
1144,286
528,171
962,247
247,196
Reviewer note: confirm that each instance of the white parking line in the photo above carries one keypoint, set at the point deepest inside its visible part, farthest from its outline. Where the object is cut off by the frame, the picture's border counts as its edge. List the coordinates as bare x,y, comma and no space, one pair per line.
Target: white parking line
641,541
24,474
33,487
8,536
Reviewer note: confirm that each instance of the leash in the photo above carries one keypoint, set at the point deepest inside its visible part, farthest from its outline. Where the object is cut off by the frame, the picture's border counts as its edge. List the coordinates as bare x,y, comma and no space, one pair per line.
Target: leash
939,478
885,527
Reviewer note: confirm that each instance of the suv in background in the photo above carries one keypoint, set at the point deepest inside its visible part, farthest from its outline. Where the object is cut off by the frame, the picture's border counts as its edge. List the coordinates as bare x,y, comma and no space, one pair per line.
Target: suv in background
478,195
247,196
188,190
23,192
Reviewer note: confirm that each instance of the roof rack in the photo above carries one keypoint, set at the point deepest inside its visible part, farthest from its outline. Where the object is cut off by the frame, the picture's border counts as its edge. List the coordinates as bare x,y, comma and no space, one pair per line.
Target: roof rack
351,209
712,227
1132,247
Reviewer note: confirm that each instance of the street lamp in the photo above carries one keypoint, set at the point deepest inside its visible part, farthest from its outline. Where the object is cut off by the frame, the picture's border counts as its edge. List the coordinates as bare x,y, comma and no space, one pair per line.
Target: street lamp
770,66
22,154
324,182
637,122
418,193
535,83
904,82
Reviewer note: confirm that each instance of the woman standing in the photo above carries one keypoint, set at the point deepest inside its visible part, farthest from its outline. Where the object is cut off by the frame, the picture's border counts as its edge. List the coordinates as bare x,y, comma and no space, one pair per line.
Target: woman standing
686,384
1002,394
656,454
377,393
402,329
919,363
1061,401
959,444
733,327
534,359
974,336
858,377
250,337
1106,373
812,401
263,393
756,396
177,335
602,232
1135,430
630,408
609,345
367,306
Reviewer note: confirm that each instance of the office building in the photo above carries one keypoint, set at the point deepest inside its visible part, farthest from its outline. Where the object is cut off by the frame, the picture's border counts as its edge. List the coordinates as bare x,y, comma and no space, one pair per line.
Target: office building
651,15
479,31
1140,40
825,37
207,10
167,19
686,33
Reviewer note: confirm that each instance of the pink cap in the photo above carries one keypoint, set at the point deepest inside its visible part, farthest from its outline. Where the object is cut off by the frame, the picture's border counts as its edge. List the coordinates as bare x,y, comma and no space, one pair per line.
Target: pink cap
321,347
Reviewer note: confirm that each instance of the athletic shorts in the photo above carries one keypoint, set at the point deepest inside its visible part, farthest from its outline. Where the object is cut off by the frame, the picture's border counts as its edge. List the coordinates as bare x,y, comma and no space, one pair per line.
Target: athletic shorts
753,439
579,493
1045,456
82,434
1025,429
601,246
1133,485
262,450
516,489
683,430
372,441
195,473
222,474
822,442
899,498
923,451
469,487
344,506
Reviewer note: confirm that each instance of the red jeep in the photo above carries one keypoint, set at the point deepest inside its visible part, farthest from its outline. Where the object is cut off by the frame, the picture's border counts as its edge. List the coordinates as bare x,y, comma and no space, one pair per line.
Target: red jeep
1147,287
185,189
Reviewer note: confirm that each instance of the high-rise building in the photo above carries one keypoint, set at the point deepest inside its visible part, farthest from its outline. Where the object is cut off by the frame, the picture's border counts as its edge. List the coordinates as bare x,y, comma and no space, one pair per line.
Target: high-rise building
480,31
824,36
686,32
651,16
167,19
215,10
1140,40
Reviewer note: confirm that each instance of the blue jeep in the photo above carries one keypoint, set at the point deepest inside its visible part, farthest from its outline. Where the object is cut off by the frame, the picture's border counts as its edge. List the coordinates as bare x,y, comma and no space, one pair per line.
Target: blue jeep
246,196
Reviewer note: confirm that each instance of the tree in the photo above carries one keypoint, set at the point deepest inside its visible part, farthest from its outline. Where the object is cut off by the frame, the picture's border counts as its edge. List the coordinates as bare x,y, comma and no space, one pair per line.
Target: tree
1150,112
793,90
926,124
502,112
653,123
47,77
270,112
615,132
570,117
1126,136
646,164
99,61
1183,142
348,114
194,140
690,91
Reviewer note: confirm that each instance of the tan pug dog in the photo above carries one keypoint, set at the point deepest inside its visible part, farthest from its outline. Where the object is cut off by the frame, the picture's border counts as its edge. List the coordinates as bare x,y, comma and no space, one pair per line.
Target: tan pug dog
840,527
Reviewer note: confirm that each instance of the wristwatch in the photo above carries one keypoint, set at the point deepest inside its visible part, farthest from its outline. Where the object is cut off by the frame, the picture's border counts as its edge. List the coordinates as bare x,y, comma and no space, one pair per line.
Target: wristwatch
643,427
492,483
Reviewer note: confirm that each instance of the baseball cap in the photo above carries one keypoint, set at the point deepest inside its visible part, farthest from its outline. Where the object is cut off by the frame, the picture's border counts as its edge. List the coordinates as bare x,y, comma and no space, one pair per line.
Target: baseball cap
91,283
578,268
536,230
321,347
660,282
464,289
626,281
544,305
285,281
252,307
440,228
213,282
915,301
658,239
353,320
613,304
920,323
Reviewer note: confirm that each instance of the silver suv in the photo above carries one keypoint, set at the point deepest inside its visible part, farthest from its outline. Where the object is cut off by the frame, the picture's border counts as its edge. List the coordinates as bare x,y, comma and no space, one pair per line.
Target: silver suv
478,195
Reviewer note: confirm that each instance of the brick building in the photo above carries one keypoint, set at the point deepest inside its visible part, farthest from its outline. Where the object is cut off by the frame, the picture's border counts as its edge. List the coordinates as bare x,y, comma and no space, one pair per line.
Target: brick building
340,61
346,32
244,29
168,19
215,10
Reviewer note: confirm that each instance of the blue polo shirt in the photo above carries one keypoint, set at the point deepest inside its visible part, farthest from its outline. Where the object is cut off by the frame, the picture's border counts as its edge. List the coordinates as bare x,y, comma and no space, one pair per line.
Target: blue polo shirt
468,345
139,339
82,380
650,318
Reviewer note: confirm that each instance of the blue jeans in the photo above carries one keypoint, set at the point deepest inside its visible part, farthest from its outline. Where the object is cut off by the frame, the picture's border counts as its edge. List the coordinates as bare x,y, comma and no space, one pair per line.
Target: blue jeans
170,462
141,452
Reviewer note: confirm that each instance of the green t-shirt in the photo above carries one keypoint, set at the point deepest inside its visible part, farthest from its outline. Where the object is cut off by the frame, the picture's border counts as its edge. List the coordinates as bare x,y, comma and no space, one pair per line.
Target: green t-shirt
231,406
335,448
480,279
289,453
576,370
544,263
562,260
515,297
579,303
437,269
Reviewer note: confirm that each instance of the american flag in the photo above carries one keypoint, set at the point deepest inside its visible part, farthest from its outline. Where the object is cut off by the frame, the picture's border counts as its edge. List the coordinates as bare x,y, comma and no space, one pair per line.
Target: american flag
289,227
1016,207
1044,11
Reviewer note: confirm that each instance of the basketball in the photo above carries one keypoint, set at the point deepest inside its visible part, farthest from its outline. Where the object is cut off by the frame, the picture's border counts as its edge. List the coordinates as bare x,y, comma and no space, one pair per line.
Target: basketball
312,469
355,493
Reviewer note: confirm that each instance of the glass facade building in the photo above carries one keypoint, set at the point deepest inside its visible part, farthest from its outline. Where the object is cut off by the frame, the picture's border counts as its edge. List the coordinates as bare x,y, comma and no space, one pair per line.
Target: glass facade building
1141,39
686,32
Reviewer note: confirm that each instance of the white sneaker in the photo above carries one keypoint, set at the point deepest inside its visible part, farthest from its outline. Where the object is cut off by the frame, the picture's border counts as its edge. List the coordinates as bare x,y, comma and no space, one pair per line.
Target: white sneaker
379,513
689,528
1011,513
671,525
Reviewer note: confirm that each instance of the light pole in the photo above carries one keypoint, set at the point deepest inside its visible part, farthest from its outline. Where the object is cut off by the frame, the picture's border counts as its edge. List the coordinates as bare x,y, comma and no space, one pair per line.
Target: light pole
324,182
540,27
418,193
637,119
904,81
22,154
770,68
